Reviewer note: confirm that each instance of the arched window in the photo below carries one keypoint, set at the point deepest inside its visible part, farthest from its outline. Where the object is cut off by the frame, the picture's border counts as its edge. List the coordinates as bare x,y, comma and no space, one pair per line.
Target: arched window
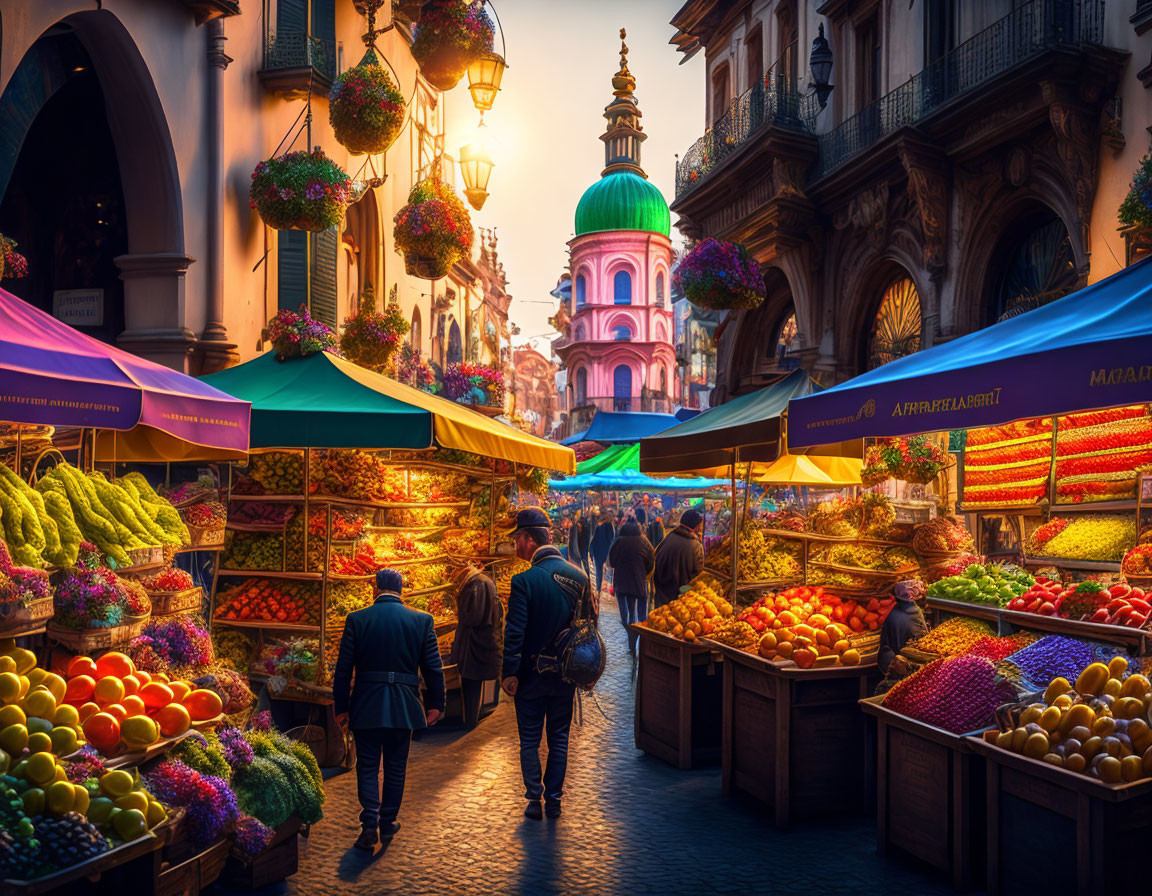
581,386
415,335
455,348
622,333
622,288
1037,267
896,330
622,388
581,290
660,289
786,338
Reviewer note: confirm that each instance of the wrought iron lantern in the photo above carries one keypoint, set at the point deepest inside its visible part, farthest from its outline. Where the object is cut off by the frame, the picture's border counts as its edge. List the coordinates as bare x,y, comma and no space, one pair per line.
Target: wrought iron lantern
821,64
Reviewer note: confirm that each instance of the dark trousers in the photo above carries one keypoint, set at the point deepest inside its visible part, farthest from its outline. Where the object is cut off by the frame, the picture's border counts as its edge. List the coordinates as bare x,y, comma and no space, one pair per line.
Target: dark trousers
600,572
471,690
533,715
633,609
380,802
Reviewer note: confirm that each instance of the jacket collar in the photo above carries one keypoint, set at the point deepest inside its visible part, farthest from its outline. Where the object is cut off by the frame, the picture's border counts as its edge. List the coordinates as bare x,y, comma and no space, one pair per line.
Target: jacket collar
686,532
387,596
544,552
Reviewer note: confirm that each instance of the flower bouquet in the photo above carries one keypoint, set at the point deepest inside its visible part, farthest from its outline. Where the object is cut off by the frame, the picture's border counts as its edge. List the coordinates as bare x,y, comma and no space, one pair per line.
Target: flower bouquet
1136,209
300,191
365,107
720,275
13,265
451,35
177,642
370,337
296,334
433,230
475,384
914,459
90,598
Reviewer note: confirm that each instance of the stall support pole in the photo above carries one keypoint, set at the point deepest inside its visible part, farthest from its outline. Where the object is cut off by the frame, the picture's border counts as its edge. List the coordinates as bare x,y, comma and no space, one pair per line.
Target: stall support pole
324,597
492,513
735,527
307,489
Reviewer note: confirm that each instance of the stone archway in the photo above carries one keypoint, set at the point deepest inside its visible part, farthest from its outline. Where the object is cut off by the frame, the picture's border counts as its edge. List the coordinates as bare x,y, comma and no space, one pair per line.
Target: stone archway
153,266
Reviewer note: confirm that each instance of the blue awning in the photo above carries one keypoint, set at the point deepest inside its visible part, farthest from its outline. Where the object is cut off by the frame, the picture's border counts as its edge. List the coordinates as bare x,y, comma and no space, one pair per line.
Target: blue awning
622,427
631,480
1088,350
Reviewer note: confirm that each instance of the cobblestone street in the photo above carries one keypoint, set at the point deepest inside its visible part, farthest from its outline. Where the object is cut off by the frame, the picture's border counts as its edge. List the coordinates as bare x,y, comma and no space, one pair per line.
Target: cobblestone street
631,824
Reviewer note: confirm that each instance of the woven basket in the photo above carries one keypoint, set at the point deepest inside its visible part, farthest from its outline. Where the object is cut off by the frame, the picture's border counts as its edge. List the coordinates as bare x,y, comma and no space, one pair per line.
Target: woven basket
206,536
168,603
87,640
23,617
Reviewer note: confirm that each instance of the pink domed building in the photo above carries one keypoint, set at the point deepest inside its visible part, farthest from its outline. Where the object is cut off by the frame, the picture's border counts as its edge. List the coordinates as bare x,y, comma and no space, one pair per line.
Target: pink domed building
619,355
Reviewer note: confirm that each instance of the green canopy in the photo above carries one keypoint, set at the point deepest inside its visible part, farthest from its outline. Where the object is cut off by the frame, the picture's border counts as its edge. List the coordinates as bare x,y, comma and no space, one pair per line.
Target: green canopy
612,460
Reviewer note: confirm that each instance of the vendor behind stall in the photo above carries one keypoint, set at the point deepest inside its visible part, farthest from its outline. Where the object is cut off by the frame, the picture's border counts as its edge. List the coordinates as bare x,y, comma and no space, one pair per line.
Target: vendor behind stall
904,623
475,647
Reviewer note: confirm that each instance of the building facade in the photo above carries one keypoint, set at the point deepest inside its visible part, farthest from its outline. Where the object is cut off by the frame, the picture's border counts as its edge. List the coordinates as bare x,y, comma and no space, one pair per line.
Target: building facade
533,391
967,164
131,130
617,351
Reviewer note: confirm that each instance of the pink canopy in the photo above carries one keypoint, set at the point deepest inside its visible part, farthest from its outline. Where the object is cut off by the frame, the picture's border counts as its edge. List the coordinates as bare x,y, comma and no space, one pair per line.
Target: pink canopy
53,374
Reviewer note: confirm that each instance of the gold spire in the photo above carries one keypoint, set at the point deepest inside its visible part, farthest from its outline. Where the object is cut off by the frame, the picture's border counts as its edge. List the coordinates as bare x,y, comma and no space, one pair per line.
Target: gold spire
622,82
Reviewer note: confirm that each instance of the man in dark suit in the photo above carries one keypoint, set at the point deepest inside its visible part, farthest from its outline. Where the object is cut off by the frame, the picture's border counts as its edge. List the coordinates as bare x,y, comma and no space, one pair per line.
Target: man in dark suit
383,648
539,608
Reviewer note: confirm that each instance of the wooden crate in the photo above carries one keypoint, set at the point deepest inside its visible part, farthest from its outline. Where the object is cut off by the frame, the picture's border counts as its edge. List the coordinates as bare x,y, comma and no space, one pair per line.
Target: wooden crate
15,619
167,603
179,873
279,861
930,801
794,738
678,691
87,640
1054,831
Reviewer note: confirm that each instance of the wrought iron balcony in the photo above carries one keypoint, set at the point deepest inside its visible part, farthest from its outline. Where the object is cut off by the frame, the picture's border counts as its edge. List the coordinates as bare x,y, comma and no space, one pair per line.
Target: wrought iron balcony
295,62
1010,43
775,101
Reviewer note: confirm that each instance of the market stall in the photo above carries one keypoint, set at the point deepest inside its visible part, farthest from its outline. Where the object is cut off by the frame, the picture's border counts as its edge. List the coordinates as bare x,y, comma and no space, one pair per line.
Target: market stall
352,472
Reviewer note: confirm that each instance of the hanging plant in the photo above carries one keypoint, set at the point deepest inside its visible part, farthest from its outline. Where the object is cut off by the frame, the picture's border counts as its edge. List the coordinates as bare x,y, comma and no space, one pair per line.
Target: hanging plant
1136,209
369,337
366,108
296,334
476,384
433,230
300,191
451,35
914,459
721,276
411,370
13,265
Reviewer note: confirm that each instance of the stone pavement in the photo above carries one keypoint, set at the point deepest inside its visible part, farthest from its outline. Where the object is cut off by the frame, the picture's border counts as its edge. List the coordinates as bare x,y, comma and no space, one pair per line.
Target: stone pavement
631,823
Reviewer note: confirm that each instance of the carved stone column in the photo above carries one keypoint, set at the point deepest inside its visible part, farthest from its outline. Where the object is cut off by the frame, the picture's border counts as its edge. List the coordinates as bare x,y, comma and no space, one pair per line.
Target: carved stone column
927,174
154,308
1077,144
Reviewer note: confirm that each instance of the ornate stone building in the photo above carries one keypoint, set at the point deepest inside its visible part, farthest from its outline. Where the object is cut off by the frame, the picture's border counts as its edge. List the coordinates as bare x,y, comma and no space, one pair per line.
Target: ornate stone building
617,351
968,165
533,391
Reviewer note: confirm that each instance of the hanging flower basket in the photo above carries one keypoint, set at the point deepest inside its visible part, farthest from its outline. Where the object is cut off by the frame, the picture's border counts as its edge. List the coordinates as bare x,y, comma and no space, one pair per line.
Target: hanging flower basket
433,231
411,370
370,337
300,191
296,334
916,459
1136,209
477,385
366,108
721,276
451,35
13,265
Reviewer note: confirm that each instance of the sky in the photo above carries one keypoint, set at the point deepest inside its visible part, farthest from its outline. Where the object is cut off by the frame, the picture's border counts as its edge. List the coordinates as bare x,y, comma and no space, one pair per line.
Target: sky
546,123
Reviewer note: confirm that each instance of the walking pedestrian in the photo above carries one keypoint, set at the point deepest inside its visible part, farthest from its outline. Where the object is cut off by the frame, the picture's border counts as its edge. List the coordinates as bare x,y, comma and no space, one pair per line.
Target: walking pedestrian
602,540
475,651
539,608
632,559
679,559
578,538
376,691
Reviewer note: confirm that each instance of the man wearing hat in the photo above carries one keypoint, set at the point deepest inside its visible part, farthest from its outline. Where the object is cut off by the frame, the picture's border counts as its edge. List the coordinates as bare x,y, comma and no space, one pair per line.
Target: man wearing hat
903,623
376,690
539,608
679,558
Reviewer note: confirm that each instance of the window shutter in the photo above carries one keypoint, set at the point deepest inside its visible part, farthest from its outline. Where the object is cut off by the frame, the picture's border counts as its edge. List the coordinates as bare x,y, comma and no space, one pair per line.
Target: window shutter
292,267
324,249
324,30
292,16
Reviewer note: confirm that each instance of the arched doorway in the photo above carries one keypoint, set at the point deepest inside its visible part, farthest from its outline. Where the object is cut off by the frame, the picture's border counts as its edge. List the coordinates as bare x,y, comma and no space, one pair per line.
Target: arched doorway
1033,265
120,226
362,241
622,388
455,347
895,330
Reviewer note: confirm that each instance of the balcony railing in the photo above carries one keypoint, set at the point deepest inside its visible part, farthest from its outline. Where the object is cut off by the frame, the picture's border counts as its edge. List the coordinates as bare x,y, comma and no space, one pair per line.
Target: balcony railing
294,50
775,101
650,404
1009,43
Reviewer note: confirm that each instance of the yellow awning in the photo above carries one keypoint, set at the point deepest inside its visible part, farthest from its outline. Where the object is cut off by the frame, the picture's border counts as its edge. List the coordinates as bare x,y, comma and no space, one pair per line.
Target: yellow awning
144,444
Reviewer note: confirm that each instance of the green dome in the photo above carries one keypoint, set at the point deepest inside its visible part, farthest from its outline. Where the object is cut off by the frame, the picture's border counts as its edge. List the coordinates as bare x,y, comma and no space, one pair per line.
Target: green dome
623,201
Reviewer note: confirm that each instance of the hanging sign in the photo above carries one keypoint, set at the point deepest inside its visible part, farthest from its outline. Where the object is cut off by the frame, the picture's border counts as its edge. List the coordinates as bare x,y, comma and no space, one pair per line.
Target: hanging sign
79,307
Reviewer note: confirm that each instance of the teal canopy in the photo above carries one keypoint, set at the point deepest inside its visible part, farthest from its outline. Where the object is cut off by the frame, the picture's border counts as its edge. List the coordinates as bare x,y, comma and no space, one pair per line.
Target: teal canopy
632,481
615,459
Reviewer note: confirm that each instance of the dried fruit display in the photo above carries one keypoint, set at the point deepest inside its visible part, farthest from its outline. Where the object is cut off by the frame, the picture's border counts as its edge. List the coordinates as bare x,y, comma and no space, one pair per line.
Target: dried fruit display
1138,561
942,535
1008,466
983,584
1096,538
359,475
436,488
1097,726
252,550
420,576
954,637
204,515
294,659
278,472
762,557
957,693
996,649
262,600
1051,657
465,542
735,633
694,613
422,517
203,489
1041,535
171,579
259,513
346,524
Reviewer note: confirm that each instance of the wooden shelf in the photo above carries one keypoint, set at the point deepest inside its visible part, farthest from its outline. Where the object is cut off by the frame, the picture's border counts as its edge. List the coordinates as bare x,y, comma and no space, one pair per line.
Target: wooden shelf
1074,628
267,574
976,611
337,577
1064,563
193,549
266,624
1127,505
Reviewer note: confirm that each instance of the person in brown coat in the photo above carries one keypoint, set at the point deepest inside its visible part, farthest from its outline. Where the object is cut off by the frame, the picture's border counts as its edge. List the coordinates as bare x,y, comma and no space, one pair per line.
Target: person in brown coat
679,559
475,647
632,560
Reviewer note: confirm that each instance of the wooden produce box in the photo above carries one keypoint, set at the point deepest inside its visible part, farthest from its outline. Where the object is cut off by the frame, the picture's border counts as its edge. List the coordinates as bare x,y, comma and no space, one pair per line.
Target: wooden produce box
794,738
168,603
930,800
678,699
279,861
16,619
182,871
1054,831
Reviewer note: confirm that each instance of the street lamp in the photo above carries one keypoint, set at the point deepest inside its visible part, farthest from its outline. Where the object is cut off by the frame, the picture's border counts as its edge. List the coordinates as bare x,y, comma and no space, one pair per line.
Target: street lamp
821,64
484,77
476,167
